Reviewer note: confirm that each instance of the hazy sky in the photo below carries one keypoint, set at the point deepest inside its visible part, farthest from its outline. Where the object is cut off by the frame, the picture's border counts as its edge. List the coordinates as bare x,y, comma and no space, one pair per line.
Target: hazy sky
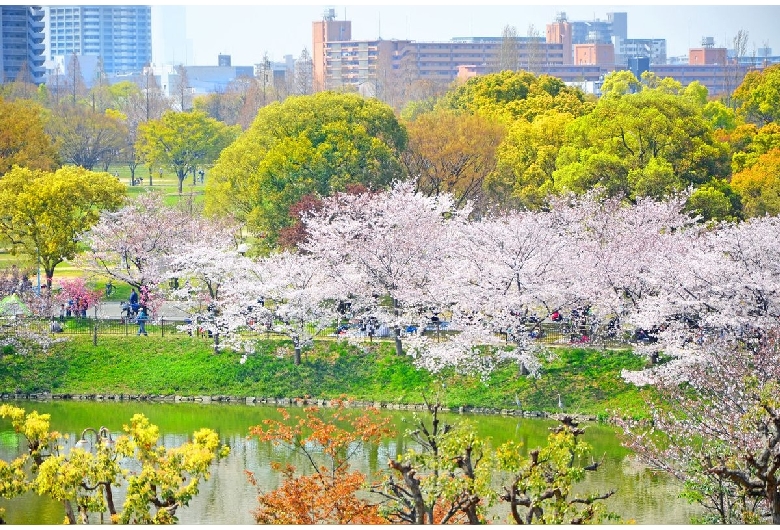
247,31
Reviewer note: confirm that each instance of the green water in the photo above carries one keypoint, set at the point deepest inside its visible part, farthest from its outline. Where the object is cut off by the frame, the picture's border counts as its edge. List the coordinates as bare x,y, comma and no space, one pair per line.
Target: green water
227,498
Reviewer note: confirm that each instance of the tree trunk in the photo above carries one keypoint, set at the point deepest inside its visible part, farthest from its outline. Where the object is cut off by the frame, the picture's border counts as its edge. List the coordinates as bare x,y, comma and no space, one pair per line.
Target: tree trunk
69,512
297,358
399,350
110,499
181,174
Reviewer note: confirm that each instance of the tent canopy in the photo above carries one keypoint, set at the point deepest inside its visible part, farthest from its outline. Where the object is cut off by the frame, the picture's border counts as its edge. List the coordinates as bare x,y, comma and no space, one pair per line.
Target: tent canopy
12,305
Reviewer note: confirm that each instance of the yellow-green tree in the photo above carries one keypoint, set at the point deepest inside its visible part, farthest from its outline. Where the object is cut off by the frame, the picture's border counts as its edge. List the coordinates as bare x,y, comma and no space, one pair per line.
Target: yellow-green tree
526,161
541,487
758,96
620,83
452,152
23,139
510,95
183,141
759,185
318,143
42,214
83,480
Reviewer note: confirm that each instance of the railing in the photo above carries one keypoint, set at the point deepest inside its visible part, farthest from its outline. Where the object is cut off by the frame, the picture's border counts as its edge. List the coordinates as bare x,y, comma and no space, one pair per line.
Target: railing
550,333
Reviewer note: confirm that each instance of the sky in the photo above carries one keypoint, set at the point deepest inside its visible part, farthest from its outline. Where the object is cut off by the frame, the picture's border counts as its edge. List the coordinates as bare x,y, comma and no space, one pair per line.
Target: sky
246,32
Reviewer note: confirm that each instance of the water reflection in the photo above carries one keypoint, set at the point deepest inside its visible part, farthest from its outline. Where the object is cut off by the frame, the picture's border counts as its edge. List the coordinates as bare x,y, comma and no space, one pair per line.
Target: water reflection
228,498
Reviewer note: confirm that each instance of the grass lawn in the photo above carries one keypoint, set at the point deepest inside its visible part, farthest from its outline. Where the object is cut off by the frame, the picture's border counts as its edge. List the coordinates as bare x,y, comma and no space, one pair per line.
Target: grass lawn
588,380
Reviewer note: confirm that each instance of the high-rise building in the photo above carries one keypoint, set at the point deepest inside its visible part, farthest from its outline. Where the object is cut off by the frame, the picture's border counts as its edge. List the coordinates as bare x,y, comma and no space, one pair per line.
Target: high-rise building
323,32
118,36
22,43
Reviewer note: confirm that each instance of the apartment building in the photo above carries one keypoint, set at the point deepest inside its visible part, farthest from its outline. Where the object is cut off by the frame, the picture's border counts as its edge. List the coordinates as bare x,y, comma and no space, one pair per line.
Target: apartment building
118,36
22,43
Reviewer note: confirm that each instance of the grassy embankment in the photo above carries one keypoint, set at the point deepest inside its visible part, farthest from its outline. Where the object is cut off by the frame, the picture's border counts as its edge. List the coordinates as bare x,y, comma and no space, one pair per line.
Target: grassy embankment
588,380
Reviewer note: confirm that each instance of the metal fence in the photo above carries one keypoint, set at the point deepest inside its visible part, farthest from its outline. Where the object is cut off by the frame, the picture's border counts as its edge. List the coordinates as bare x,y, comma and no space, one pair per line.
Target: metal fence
550,333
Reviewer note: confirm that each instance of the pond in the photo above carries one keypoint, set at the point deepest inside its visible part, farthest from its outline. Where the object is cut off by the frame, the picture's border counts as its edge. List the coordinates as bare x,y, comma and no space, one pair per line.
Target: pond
227,498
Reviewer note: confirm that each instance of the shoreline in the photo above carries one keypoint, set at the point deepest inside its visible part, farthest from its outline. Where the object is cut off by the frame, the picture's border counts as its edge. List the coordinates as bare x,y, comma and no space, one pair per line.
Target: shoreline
288,402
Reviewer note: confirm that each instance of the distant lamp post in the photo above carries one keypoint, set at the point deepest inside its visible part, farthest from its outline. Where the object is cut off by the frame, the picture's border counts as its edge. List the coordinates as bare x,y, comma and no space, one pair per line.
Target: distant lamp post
38,260
102,437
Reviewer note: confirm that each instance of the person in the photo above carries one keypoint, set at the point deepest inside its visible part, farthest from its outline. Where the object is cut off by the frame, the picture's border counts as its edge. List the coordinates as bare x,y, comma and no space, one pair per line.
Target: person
134,301
556,316
143,316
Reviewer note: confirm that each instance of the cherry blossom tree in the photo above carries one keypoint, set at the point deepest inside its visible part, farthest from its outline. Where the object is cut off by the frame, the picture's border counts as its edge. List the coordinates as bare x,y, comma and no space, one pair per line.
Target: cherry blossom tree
385,251
200,272
720,282
716,427
293,294
137,244
76,292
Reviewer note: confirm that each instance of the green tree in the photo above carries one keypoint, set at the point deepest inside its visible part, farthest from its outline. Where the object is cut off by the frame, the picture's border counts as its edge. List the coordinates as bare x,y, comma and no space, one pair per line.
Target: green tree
42,214
320,144
23,139
183,141
758,95
716,201
646,143
526,161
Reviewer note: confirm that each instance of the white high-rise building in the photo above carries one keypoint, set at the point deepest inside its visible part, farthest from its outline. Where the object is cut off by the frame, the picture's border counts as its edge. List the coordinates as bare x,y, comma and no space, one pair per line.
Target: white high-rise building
119,36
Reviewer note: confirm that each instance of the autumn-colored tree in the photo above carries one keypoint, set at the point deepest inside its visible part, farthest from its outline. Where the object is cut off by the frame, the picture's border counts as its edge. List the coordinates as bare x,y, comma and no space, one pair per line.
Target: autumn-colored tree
330,493
42,214
750,142
23,139
85,137
452,152
183,141
307,144
759,185
291,236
